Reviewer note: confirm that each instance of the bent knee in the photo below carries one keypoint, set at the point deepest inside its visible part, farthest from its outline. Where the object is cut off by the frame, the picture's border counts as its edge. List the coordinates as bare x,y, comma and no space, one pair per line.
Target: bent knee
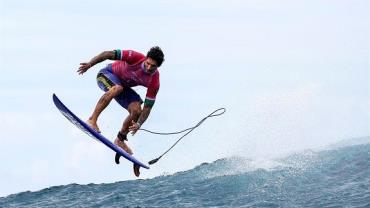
116,90
135,109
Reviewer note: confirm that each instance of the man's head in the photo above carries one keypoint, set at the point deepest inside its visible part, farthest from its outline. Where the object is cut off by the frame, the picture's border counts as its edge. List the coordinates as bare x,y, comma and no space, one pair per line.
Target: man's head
156,54
155,58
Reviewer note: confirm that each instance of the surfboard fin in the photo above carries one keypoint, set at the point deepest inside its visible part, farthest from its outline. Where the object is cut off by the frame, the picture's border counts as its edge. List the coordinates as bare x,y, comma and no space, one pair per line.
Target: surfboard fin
116,158
136,170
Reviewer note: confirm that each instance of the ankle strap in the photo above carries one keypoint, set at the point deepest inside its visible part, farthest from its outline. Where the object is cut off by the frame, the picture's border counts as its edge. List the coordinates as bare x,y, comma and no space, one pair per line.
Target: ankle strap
122,137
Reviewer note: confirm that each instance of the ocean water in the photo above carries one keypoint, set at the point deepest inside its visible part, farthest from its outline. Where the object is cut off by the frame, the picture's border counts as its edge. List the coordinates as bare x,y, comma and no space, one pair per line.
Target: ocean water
338,177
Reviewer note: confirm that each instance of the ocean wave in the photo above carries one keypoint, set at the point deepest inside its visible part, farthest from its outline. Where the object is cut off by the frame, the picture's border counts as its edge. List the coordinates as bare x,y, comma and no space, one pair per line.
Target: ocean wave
335,177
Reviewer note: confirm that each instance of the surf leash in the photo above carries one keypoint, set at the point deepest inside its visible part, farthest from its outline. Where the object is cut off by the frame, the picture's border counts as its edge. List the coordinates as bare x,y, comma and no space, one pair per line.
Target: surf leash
213,114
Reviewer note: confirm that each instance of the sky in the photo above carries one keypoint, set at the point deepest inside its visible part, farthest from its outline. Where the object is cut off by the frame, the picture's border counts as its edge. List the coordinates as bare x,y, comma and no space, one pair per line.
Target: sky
293,75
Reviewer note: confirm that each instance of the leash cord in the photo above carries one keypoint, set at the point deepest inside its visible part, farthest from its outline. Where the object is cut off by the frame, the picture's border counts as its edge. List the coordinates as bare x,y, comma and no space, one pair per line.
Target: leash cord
213,114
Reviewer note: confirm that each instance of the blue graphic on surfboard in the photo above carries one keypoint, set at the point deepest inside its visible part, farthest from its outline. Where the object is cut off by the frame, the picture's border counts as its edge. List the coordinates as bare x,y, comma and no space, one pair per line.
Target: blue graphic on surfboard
92,133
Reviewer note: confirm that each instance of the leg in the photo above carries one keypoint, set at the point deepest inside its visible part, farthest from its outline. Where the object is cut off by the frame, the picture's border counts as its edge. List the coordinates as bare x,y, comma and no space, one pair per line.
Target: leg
111,85
102,104
134,110
131,101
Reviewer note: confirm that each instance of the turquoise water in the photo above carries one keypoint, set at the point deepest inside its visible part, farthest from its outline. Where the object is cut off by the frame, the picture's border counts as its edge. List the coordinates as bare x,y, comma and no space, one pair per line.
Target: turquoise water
330,178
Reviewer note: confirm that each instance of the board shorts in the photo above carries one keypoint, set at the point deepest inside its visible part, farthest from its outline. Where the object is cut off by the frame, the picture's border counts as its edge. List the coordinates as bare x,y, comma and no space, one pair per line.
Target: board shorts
106,79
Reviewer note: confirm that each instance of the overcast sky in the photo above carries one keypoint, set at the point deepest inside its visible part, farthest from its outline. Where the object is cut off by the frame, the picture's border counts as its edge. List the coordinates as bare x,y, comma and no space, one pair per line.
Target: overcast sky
292,74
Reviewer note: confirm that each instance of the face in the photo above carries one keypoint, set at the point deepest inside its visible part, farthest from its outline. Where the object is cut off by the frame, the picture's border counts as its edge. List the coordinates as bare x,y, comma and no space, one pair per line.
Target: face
150,65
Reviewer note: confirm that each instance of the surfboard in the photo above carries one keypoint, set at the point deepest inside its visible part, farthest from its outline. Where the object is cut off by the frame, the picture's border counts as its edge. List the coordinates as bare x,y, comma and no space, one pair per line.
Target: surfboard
92,133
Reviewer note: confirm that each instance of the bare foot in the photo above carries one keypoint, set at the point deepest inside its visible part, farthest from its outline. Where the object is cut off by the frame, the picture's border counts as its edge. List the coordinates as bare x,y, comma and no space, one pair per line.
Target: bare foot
123,145
93,125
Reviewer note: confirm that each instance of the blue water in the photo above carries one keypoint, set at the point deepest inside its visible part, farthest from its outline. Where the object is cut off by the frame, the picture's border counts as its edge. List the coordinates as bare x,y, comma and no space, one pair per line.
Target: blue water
338,177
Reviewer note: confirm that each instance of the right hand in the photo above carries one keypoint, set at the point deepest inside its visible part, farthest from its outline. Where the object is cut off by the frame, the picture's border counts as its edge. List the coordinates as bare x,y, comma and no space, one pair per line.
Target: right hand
134,127
83,67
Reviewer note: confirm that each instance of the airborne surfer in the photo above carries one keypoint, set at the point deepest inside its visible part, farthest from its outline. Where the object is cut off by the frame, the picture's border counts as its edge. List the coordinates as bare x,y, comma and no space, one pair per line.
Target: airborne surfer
129,69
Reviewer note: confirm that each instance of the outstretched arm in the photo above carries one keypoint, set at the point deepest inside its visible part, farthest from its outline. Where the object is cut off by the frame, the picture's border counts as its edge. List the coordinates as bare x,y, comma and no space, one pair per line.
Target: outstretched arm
97,59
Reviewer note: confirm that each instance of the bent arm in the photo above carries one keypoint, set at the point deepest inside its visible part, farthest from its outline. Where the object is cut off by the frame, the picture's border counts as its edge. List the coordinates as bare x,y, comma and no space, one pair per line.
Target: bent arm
148,104
144,114
111,55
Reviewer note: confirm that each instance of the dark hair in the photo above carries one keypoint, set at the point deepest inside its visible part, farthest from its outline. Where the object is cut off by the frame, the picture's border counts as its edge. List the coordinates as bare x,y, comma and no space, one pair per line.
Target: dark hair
156,54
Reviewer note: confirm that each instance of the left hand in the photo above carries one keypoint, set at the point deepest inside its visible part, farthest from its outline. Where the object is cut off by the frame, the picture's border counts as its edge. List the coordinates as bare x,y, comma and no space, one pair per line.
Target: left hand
134,127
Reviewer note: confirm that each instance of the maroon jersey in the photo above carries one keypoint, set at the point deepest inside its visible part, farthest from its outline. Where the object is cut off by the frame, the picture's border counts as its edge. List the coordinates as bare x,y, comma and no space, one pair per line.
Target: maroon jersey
129,67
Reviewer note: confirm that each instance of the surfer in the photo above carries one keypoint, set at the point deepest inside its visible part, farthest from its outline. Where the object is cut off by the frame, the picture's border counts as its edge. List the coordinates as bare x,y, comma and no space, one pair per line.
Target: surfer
129,69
